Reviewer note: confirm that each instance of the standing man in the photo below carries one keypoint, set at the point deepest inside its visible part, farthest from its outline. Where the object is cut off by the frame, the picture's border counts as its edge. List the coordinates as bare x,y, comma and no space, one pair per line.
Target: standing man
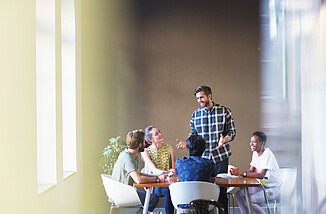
126,171
215,124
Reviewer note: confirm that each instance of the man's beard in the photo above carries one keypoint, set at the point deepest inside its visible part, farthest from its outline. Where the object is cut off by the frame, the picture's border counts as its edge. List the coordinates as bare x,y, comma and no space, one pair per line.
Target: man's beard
206,103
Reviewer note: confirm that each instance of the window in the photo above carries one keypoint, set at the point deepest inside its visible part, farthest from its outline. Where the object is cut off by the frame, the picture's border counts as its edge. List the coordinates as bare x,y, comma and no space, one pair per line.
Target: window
45,94
68,87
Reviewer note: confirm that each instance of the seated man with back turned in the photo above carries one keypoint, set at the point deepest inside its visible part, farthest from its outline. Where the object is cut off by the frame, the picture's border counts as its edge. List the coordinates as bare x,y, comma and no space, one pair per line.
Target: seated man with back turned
126,168
195,167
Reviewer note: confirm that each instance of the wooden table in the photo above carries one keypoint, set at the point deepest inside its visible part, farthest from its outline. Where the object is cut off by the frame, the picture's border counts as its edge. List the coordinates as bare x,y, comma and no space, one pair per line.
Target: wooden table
150,187
239,182
222,182
149,190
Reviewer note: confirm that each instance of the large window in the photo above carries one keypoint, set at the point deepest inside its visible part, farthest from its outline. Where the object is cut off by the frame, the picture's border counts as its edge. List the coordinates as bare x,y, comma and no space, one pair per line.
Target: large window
68,87
46,94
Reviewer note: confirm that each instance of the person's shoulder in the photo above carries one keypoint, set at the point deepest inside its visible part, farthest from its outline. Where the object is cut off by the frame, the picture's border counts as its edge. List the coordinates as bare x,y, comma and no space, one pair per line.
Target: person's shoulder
206,160
165,145
269,152
183,159
198,110
150,149
209,160
254,154
197,113
180,162
124,155
125,152
222,107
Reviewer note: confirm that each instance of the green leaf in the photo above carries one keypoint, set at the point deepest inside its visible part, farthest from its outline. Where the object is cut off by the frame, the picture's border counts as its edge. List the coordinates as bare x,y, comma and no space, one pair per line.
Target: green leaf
110,154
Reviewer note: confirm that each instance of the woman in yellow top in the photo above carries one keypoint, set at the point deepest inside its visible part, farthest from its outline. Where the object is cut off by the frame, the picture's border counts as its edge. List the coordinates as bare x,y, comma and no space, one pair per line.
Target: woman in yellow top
159,158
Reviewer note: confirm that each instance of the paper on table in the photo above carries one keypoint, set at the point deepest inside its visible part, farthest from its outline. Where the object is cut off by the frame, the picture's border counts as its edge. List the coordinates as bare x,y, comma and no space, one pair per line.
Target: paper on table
226,175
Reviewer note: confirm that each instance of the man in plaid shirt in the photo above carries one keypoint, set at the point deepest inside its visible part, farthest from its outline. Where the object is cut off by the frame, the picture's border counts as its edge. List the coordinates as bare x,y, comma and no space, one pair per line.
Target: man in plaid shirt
215,124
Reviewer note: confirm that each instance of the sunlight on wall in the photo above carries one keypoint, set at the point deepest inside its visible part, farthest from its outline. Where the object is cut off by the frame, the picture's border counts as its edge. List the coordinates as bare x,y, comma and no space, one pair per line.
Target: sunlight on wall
68,87
45,93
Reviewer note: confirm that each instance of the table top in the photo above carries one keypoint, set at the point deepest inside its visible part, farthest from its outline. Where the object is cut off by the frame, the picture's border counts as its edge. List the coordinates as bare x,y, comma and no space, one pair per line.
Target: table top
237,182
222,182
165,184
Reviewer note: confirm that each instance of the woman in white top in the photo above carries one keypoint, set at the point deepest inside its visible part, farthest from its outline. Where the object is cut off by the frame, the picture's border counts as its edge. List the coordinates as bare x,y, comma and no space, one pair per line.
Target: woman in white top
264,167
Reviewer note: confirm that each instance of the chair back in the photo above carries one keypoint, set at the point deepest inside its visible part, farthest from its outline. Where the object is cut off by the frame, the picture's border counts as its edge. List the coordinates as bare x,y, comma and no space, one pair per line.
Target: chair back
288,190
289,178
187,191
121,194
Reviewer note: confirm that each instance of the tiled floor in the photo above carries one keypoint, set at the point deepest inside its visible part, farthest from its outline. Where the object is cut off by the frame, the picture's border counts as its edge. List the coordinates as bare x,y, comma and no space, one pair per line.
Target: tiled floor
236,210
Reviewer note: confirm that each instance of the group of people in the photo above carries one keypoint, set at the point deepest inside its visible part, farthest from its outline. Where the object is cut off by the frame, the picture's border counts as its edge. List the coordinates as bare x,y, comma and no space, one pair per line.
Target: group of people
212,129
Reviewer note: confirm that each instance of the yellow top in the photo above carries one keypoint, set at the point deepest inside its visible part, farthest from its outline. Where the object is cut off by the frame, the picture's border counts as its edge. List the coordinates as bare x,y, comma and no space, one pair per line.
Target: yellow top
161,158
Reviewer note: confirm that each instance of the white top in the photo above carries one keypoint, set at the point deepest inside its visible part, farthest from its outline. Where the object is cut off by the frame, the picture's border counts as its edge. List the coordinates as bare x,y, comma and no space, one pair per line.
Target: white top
267,161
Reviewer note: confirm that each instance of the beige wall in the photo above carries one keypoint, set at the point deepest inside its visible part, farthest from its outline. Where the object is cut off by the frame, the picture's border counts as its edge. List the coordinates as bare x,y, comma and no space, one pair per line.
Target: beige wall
132,72
82,192
178,47
19,190
102,26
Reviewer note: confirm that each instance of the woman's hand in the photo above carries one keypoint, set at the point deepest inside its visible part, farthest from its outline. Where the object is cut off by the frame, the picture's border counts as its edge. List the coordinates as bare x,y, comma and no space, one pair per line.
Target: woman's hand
181,144
235,171
162,178
171,172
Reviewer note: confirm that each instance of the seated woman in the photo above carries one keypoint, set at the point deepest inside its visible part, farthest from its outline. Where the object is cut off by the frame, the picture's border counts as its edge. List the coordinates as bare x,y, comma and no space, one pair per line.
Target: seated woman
159,158
263,166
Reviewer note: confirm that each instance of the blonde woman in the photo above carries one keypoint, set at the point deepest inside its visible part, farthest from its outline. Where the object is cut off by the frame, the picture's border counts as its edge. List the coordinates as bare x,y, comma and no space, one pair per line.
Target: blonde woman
159,158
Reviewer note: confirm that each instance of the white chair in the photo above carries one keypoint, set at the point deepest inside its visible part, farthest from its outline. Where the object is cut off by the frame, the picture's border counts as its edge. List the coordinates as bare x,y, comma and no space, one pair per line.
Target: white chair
287,194
122,195
288,190
194,191
321,207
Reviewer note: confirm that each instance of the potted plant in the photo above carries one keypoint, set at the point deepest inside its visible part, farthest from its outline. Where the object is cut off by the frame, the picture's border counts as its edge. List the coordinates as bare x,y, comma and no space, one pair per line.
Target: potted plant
110,154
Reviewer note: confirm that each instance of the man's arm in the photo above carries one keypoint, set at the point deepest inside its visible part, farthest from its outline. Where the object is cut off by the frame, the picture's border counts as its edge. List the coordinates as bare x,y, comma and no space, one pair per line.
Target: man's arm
192,124
230,130
223,140
181,144
141,178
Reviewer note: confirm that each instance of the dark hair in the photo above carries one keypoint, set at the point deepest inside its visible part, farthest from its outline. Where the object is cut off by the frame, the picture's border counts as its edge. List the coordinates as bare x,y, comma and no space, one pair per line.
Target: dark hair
134,138
148,135
207,90
261,135
196,145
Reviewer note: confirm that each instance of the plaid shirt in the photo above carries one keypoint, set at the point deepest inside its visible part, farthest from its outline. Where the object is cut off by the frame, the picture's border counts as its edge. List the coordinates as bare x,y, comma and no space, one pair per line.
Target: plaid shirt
210,123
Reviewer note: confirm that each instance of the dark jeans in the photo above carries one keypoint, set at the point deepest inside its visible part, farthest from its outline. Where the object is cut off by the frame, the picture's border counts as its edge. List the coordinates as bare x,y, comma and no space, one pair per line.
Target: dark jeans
222,167
153,201
164,191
